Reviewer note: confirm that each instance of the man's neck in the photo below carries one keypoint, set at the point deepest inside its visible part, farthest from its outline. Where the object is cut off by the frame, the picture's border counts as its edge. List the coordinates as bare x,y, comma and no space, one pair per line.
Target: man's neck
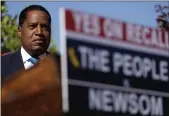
33,55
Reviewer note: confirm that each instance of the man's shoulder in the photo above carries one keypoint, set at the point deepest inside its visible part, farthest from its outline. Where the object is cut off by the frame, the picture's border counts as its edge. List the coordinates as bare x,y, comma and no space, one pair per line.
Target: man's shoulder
5,65
6,57
6,60
8,64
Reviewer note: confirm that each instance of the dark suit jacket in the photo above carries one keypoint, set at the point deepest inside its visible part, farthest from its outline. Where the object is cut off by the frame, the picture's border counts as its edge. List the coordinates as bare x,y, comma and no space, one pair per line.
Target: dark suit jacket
10,64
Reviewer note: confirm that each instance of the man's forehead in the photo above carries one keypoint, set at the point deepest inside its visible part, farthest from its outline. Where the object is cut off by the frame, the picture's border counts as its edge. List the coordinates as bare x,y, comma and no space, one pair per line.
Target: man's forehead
30,14
36,13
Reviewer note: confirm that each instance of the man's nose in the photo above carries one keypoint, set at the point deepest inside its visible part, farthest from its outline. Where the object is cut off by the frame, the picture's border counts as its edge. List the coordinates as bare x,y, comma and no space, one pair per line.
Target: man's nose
39,30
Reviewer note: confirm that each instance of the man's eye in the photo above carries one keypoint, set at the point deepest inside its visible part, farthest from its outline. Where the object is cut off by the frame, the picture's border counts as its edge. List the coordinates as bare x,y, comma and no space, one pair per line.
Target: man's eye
45,26
32,26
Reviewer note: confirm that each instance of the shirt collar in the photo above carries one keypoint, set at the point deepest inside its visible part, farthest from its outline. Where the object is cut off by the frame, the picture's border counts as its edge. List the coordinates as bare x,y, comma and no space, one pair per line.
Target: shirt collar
26,56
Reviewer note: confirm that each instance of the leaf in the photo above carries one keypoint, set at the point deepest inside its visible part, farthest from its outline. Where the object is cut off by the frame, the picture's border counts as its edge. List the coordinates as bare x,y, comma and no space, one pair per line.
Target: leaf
3,9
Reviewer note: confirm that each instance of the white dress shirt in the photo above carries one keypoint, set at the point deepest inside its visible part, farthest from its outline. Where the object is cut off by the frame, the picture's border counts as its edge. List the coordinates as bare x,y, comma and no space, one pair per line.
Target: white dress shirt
26,56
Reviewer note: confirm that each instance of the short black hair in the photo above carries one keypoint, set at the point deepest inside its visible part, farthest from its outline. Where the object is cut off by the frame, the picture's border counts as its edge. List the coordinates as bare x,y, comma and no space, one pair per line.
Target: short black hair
24,12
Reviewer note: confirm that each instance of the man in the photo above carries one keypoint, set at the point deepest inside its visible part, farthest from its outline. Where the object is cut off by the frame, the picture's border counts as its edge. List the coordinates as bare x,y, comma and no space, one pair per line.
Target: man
35,32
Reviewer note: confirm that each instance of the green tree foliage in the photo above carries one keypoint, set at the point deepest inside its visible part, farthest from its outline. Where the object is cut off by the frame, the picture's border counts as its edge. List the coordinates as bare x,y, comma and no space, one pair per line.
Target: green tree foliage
10,40
163,16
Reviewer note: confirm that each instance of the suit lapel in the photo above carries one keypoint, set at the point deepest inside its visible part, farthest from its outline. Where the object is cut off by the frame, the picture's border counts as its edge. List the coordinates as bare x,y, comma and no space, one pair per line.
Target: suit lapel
17,61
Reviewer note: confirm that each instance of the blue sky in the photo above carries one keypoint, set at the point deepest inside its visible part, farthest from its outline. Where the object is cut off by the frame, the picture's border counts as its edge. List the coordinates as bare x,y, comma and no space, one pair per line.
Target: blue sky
135,12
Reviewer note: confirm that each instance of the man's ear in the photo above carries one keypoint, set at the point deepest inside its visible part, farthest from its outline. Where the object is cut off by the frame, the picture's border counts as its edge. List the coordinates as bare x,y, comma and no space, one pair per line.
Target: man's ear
19,31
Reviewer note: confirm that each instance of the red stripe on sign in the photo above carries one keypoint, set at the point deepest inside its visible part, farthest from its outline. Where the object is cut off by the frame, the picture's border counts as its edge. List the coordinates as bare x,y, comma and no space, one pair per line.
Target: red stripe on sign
112,29
69,20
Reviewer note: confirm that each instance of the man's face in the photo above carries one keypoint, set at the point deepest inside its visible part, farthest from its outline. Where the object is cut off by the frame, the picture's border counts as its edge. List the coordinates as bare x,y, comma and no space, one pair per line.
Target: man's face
35,32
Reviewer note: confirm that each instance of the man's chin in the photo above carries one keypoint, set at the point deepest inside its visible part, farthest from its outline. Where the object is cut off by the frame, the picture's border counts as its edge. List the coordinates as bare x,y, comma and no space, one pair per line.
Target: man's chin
39,49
